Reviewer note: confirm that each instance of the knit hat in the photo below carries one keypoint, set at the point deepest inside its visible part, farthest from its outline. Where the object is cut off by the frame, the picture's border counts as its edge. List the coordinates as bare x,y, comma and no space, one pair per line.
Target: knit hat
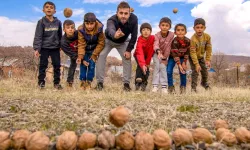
146,25
89,17
167,20
199,21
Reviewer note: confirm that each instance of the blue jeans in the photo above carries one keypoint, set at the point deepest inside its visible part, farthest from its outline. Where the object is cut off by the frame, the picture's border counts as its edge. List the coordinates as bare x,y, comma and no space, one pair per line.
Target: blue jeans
170,69
87,72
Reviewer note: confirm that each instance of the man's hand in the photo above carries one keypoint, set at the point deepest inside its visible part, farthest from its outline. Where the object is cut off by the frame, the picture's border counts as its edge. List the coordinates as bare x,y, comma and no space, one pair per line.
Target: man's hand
184,66
198,68
119,34
160,56
36,54
144,69
78,61
86,63
181,69
208,64
127,55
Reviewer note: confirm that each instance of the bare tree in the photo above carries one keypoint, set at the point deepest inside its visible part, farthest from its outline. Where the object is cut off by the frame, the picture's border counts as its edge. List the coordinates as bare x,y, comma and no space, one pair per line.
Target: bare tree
219,64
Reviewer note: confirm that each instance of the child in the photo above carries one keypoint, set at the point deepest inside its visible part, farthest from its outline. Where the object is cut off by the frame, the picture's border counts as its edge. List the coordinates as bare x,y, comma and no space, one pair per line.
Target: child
162,47
91,42
200,44
178,55
143,54
47,44
69,46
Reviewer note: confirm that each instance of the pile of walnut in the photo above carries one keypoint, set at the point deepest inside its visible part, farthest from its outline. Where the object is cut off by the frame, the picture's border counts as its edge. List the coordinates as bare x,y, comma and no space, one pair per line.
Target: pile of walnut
199,138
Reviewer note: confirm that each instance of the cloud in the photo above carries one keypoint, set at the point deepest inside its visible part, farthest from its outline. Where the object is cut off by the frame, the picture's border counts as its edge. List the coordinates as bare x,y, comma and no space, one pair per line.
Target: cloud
101,1
16,33
147,3
78,12
227,23
36,9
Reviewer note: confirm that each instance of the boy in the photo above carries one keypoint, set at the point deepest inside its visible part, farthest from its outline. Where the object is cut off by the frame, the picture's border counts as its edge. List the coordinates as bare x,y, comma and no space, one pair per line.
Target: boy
143,54
162,46
91,42
200,44
47,44
69,44
178,55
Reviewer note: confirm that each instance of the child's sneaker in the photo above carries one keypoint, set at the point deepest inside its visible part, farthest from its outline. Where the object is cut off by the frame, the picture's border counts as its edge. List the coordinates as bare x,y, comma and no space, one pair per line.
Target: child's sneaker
82,85
171,89
126,87
155,89
70,84
164,90
137,86
58,86
182,89
87,85
206,86
143,87
41,86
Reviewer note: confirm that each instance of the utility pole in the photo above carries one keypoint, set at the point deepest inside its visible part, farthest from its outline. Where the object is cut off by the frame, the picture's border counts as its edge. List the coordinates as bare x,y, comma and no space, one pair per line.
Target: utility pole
238,76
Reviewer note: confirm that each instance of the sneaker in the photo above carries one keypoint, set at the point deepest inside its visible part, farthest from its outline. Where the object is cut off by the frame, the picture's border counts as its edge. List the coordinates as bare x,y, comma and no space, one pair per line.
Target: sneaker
182,89
70,84
41,86
155,89
143,87
164,90
171,89
126,87
58,86
194,90
99,86
137,86
82,85
87,85
138,80
205,86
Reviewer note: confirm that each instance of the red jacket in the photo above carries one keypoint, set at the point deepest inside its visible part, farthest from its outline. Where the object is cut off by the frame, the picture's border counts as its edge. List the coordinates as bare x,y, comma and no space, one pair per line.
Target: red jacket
144,50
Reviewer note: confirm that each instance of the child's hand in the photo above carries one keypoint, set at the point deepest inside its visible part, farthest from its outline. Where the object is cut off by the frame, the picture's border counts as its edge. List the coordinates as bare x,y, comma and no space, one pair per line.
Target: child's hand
144,69
160,56
164,62
36,54
198,68
78,61
208,64
86,63
181,69
184,66
127,55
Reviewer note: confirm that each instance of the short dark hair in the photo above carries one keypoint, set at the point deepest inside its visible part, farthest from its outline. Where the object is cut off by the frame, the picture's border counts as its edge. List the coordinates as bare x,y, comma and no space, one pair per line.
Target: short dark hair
199,21
166,20
180,25
68,22
123,4
50,3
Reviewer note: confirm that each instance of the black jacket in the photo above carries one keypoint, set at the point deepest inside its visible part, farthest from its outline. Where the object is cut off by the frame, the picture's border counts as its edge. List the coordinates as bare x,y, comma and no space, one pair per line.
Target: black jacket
70,45
48,34
131,27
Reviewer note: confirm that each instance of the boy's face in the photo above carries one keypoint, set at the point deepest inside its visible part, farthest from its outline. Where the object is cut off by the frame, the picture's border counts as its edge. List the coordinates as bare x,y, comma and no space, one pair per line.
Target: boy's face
164,27
69,30
89,25
123,14
180,32
199,29
145,32
49,10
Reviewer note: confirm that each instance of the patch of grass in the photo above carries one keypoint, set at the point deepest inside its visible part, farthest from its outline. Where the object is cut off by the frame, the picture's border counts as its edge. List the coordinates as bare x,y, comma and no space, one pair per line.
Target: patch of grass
188,108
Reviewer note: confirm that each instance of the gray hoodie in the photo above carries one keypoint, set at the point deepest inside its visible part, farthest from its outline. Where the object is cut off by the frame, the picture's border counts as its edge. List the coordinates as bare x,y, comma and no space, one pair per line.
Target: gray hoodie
48,34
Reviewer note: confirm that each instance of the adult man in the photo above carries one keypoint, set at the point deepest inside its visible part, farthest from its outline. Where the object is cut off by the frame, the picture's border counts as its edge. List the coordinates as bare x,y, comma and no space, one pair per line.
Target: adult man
119,27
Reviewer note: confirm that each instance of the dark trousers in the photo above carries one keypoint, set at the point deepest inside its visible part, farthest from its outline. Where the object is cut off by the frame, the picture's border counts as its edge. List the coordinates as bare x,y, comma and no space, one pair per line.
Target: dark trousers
54,54
204,73
139,74
72,69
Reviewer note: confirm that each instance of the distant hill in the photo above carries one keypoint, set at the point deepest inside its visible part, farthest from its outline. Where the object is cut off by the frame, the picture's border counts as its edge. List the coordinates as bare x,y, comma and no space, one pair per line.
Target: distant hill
236,59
